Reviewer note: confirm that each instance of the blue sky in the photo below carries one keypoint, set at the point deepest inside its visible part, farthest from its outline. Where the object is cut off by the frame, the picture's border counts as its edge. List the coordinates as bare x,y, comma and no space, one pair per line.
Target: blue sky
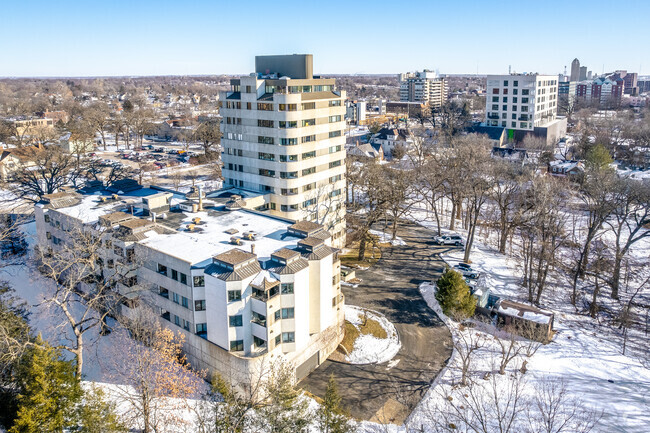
143,37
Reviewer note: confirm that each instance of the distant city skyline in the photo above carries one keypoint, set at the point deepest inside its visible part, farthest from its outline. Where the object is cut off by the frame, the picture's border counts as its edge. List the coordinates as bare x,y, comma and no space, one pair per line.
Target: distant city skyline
199,37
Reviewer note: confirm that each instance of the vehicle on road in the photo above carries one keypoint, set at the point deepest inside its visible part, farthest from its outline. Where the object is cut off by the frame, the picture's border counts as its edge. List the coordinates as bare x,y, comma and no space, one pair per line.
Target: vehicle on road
454,239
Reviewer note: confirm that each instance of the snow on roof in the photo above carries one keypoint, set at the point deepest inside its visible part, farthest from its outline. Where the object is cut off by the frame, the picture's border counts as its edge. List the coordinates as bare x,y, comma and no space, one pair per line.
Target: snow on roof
198,246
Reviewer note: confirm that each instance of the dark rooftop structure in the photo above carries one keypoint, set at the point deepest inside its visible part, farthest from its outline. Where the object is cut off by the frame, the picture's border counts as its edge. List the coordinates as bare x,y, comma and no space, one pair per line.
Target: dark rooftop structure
296,66
124,185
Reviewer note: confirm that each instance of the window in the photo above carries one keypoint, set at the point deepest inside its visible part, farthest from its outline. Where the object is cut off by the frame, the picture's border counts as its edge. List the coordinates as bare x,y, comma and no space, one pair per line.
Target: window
186,325
335,193
263,123
515,92
288,141
505,99
335,164
525,92
336,118
184,302
308,155
248,89
495,99
287,107
266,156
278,340
335,134
288,175
264,140
202,329
130,255
235,321
505,107
266,172
335,103
285,158
234,295
163,292
524,100
259,319
288,337
495,91
288,124
336,178
495,107
515,83
258,342
287,288
174,275
505,82
237,346
199,281
289,191
264,106
308,139
175,297
47,218
308,105
308,122
309,187
287,313
199,305
310,202
276,316
183,278
308,171
514,124
177,320
110,263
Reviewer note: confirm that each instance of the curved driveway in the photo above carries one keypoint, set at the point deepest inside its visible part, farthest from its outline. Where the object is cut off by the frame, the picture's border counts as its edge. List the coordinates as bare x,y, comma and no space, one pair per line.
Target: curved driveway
388,392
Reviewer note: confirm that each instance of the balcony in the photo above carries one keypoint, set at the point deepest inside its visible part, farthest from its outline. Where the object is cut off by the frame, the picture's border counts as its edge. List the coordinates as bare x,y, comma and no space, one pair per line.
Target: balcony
493,116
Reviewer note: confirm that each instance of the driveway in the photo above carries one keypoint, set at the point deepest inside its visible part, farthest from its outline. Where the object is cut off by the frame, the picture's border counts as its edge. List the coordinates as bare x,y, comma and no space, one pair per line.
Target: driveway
389,392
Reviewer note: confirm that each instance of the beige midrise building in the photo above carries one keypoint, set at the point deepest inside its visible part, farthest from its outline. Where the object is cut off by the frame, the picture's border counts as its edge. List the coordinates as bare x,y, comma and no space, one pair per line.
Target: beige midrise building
245,288
283,137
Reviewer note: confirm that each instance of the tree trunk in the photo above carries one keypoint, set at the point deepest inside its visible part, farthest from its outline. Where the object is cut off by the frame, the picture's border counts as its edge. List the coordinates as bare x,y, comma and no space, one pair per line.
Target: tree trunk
362,248
616,275
452,222
593,308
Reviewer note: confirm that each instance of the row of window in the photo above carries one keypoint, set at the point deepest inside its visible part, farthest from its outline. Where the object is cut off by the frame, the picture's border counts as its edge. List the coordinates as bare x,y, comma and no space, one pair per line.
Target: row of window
514,99
524,92
523,108
268,106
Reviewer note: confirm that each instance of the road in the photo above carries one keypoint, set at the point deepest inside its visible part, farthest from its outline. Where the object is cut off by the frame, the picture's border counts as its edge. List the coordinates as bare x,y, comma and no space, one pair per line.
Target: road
389,392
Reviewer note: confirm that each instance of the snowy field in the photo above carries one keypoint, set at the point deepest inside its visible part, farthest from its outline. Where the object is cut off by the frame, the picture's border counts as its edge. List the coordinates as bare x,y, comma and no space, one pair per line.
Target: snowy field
369,349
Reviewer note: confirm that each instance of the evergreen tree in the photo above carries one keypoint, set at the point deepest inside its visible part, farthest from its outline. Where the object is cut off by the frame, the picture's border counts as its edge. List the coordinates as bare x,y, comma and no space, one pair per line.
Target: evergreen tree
50,393
96,415
330,415
286,410
231,411
454,295
598,157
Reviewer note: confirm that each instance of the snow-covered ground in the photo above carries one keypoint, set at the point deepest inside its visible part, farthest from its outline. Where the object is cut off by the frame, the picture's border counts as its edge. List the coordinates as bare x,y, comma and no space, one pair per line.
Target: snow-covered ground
369,349
386,238
586,355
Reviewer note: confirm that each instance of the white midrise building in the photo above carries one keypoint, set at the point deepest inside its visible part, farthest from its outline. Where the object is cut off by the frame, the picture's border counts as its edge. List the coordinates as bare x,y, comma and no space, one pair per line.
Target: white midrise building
283,136
245,288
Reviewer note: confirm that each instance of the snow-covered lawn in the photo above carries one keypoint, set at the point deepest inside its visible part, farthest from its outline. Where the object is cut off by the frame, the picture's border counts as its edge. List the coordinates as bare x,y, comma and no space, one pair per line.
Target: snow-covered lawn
585,355
386,238
369,349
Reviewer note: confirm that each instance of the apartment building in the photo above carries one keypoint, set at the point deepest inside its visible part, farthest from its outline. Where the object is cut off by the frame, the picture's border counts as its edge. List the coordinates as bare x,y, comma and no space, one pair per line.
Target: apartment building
606,92
524,104
246,288
424,87
283,136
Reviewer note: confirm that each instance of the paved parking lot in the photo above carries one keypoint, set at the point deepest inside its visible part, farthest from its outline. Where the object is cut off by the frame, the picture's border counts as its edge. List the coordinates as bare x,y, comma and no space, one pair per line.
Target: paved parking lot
389,392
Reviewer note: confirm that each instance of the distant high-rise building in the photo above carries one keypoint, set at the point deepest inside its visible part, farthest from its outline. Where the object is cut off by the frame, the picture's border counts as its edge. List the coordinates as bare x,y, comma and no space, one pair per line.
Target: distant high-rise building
283,136
524,103
425,87
589,75
575,70
583,73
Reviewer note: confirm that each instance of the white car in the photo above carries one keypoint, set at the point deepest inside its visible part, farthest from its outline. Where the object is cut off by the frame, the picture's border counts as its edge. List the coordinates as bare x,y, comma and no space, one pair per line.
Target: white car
456,240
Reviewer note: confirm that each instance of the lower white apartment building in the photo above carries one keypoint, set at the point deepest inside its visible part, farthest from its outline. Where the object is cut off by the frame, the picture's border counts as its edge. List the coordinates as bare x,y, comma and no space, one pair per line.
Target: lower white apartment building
245,288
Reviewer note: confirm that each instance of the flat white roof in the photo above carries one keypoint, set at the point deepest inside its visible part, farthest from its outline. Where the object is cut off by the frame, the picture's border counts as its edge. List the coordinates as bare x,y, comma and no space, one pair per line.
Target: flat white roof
210,238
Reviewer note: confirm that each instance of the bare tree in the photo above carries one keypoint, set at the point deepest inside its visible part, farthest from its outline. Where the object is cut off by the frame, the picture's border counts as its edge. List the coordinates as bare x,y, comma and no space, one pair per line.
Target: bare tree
466,343
153,377
554,410
631,215
43,171
98,117
82,295
514,343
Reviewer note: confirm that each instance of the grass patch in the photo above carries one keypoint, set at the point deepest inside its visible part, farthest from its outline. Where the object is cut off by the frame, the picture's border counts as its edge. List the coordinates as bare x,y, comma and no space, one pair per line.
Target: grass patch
352,332
350,257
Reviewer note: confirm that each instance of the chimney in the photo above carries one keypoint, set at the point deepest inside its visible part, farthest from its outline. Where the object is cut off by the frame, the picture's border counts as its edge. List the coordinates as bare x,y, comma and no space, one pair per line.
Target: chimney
252,248
200,198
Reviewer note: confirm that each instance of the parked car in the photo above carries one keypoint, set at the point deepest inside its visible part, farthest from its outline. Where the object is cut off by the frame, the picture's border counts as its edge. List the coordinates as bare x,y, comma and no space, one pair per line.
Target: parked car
466,271
463,266
159,149
449,240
